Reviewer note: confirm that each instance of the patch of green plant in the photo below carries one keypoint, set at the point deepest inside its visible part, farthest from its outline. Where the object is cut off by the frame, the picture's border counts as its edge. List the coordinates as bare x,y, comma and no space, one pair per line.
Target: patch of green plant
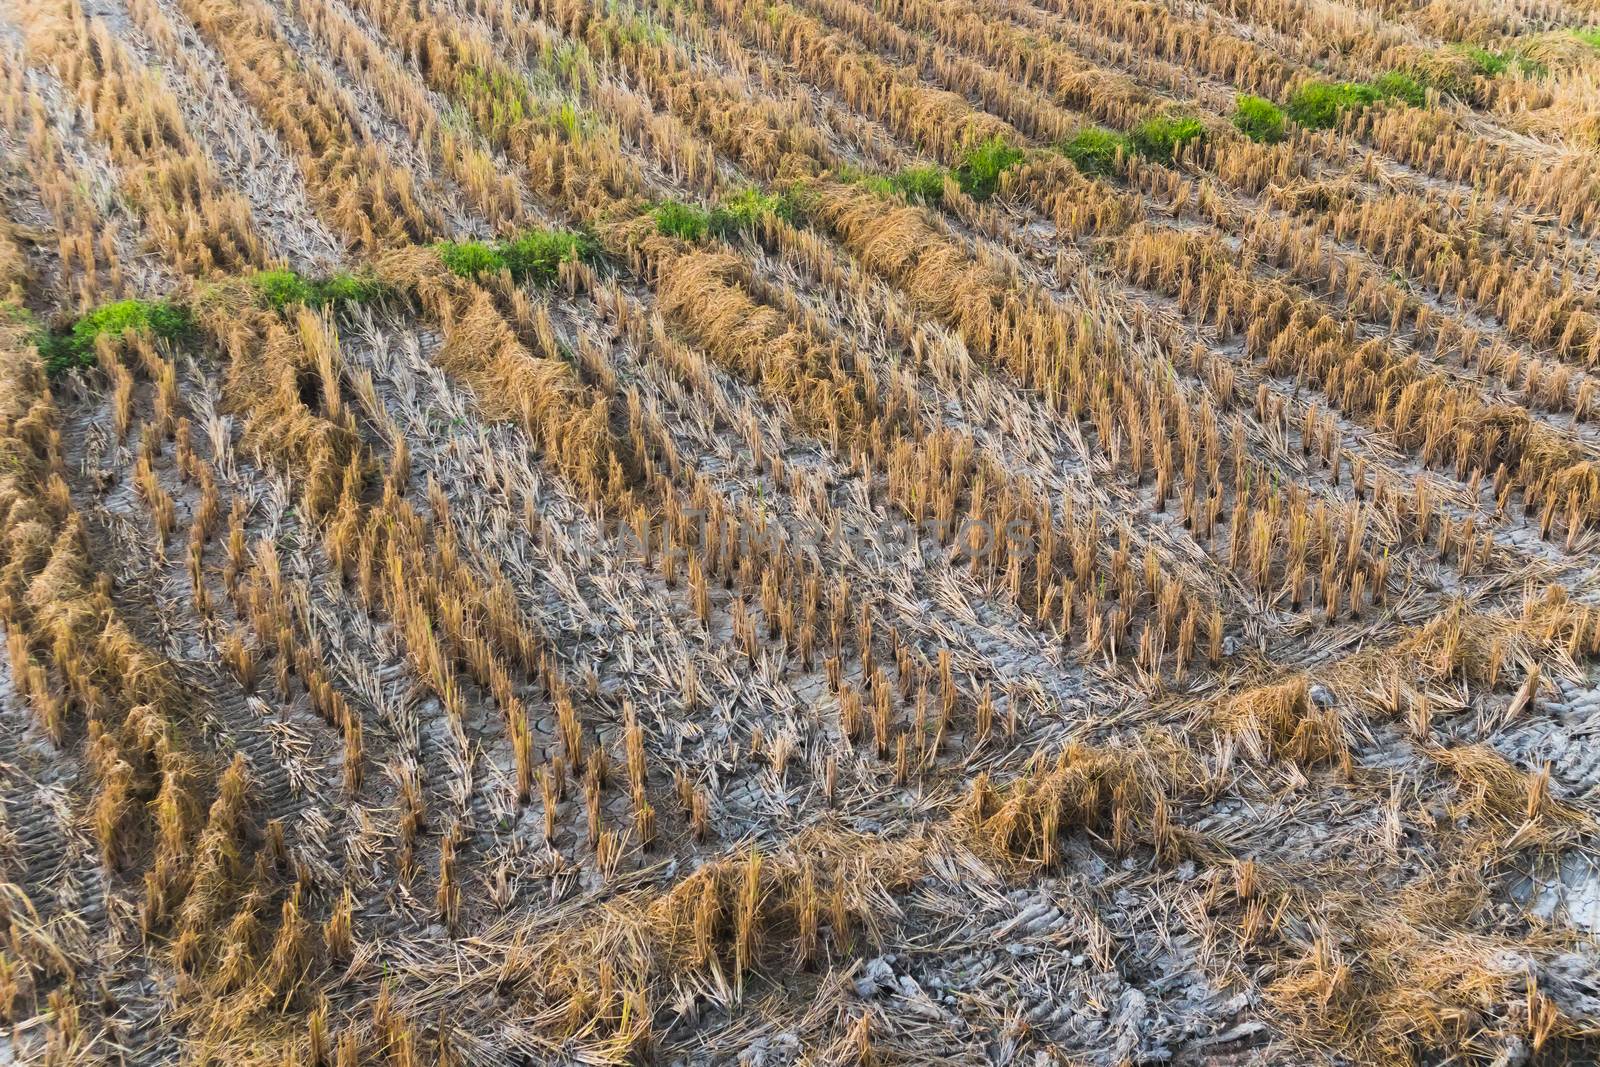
1487,63
635,26
1589,36
742,212
738,214
534,256
74,347
282,289
1094,151
777,14
496,96
1317,105
569,58
912,183
881,184
1160,136
162,318
346,288
980,169
570,121
1258,119
920,183
687,222
1403,85
468,259
537,255
799,202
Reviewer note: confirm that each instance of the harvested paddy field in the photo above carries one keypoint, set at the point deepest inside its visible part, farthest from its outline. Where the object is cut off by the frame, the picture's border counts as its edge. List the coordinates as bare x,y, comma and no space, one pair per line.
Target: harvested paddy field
778,532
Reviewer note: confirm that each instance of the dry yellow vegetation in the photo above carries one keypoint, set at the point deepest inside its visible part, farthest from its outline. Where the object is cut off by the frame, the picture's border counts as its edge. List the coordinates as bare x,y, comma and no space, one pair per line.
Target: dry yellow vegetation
799,532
